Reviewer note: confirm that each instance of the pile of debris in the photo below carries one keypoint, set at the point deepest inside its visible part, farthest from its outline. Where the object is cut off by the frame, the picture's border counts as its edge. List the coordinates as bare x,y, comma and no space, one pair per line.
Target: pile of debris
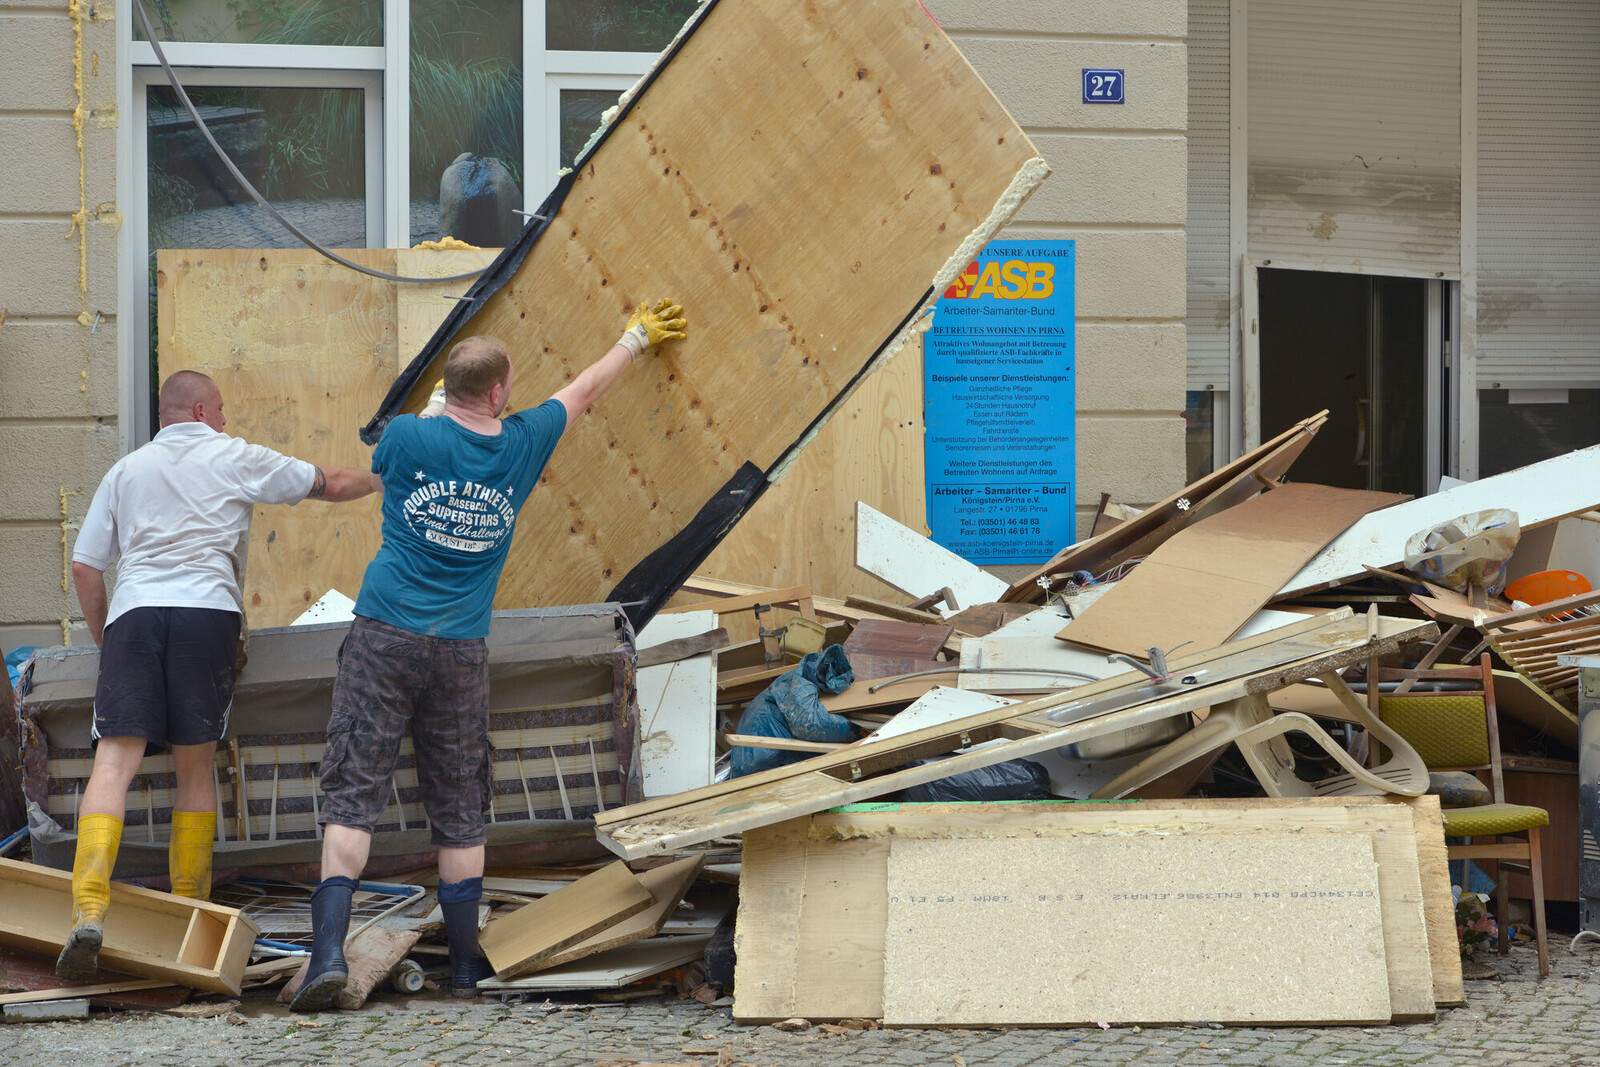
1170,776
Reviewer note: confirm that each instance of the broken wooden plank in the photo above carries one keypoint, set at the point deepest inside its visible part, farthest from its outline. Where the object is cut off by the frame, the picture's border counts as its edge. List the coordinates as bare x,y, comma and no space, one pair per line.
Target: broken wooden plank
610,969
1209,578
884,649
887,151
667,887
916,565
681,648
886,610
1224,487
177,940
33,996
517,943
1539,493
1247,667
783,744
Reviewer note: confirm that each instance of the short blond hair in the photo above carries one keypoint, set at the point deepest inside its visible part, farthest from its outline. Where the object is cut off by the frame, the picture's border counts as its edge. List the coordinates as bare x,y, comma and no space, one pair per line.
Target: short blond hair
474,366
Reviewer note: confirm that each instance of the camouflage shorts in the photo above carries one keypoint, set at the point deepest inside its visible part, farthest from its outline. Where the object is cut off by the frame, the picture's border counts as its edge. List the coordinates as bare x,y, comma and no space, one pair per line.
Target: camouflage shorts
390,681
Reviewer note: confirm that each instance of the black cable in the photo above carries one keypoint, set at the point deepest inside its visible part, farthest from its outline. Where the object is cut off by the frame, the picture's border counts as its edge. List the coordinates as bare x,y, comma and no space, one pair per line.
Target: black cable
307,240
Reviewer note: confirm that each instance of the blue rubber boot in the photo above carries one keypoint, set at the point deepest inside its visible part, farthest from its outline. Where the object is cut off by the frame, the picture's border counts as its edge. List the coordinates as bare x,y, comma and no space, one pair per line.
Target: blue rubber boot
459,903
330,922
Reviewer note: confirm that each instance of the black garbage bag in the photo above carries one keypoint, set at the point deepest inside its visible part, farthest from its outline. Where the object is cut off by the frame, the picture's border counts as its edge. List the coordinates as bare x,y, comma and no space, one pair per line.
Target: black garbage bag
792,707
1017,779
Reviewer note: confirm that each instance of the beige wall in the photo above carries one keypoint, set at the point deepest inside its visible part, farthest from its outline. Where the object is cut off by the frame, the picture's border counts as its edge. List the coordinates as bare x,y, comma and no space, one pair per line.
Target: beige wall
1119,188
58,254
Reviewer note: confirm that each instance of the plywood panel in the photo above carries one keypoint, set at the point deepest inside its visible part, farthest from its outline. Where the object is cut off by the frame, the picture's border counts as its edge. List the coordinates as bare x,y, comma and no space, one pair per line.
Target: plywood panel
810,943
535,932
302,349
800,176
802,530
1283,927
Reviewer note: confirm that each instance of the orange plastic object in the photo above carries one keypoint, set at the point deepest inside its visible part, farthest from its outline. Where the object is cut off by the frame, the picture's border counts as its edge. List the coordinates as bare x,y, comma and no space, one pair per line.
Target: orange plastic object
1544,586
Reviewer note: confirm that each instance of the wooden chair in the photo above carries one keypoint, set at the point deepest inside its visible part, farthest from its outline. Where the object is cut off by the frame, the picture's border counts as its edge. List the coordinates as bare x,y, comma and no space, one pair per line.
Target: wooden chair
1459,730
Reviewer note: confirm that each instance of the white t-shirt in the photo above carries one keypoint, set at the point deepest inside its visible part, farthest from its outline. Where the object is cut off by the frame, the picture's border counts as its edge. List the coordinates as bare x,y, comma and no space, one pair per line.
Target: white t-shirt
177,512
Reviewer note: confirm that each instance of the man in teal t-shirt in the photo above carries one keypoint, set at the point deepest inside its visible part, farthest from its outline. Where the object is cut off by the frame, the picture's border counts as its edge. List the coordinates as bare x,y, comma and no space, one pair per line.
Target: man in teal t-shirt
415,659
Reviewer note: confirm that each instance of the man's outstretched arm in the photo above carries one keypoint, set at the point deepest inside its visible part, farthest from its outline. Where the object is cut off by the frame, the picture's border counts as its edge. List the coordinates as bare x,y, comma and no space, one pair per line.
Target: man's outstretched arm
649,326
338,484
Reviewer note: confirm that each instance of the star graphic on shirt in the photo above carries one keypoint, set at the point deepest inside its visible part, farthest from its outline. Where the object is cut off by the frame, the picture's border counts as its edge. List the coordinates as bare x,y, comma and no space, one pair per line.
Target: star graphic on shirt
510,491
421,477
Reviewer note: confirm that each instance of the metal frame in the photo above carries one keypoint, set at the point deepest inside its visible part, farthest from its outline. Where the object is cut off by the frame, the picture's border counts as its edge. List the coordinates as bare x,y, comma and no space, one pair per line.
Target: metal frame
133,344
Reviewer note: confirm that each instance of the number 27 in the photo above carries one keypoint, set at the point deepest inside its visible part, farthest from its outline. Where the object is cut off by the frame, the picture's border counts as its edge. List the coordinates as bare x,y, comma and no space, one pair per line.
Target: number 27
1103,84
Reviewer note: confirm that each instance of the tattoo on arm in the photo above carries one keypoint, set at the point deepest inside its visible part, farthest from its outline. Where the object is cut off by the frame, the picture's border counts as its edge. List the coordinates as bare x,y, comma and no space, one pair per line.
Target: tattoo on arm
319,484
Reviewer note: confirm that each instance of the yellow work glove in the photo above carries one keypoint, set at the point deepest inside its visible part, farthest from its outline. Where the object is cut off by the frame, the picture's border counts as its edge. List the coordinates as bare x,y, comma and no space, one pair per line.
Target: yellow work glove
649,326
435,404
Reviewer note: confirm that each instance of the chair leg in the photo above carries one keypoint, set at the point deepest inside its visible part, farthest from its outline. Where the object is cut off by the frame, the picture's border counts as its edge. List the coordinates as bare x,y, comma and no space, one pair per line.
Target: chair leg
1502,905
1536,872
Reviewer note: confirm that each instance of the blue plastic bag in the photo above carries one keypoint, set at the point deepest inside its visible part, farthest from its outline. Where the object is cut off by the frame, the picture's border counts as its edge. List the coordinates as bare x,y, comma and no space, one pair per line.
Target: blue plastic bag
792,707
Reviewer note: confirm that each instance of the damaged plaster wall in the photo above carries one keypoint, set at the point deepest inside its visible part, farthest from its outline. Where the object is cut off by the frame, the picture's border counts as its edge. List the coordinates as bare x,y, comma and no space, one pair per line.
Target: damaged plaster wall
58,298
1119,188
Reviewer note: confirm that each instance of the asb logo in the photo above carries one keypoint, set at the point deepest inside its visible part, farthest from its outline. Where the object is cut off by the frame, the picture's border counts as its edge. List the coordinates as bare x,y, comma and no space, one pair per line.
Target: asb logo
1012,279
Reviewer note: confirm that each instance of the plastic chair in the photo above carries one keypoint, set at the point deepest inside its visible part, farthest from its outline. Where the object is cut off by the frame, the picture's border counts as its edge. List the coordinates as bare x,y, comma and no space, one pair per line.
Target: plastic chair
1251,724
1459,730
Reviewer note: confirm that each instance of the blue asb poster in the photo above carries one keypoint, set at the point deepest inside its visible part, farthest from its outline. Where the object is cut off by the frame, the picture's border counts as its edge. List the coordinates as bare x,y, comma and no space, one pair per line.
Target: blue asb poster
1001,406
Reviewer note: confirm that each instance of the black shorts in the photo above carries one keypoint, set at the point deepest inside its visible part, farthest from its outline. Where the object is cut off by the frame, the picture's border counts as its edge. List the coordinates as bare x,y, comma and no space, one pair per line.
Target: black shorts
391,682
166,675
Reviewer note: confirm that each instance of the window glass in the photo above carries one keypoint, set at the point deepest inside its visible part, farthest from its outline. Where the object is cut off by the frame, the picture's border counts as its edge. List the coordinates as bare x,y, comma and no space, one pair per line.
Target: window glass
581,111
302,148
1199,433
324,22
466,120
1518,427
614,25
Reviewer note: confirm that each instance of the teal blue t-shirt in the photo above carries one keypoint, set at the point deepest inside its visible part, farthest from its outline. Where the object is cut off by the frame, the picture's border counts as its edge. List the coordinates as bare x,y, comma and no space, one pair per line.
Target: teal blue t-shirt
450,502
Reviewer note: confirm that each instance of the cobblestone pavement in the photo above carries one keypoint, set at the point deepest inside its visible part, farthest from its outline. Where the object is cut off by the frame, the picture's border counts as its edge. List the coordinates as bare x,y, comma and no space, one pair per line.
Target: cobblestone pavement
1515,1021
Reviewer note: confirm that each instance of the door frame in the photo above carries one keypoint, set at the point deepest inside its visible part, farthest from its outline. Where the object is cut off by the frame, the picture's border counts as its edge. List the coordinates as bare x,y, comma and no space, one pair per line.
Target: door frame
1443,422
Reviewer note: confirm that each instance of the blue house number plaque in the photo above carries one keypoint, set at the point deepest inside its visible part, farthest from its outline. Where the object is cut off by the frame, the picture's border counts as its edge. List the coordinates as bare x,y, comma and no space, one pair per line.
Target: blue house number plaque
1102,86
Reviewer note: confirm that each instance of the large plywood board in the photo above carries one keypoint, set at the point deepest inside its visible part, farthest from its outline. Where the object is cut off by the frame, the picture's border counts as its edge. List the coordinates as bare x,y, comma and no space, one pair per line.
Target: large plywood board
813,891
302,349
802,177
1208,579
1284,928
539,931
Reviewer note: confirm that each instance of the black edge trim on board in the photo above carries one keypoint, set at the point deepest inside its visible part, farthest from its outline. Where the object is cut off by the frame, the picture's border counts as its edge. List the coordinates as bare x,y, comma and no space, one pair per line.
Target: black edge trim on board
648,586
510,259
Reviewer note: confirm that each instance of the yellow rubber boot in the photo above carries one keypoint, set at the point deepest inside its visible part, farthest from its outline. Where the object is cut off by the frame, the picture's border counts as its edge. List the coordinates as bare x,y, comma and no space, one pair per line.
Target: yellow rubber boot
99,837
189,853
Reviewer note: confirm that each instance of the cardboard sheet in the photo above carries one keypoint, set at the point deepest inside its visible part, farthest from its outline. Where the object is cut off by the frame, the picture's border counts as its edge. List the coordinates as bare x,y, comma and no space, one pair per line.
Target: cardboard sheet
1207,580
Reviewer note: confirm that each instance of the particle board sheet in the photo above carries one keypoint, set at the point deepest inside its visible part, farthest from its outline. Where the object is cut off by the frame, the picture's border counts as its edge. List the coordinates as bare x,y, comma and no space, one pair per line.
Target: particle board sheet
1248,666
817,170
1208,579
813,897
1539,493
1221,489
611,969
1284,928
535,932
302,349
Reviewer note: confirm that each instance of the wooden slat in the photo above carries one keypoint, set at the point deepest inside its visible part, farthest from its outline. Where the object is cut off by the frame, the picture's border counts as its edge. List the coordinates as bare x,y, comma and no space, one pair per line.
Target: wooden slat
667,887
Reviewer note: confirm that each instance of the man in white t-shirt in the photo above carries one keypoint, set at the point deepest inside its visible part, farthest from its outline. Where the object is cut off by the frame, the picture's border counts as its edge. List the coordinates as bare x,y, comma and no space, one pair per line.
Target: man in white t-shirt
176,513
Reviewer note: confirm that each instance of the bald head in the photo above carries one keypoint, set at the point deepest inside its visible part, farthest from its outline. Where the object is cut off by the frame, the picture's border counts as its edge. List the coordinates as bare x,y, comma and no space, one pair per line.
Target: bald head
474,367
189,396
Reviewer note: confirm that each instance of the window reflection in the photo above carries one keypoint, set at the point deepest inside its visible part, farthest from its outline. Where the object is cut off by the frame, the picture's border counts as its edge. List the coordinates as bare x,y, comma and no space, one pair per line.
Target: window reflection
466,120
323,22
614,25
581,112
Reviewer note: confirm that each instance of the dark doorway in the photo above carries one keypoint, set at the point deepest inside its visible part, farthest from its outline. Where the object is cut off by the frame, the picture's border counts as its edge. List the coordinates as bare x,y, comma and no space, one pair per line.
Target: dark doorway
1355,344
